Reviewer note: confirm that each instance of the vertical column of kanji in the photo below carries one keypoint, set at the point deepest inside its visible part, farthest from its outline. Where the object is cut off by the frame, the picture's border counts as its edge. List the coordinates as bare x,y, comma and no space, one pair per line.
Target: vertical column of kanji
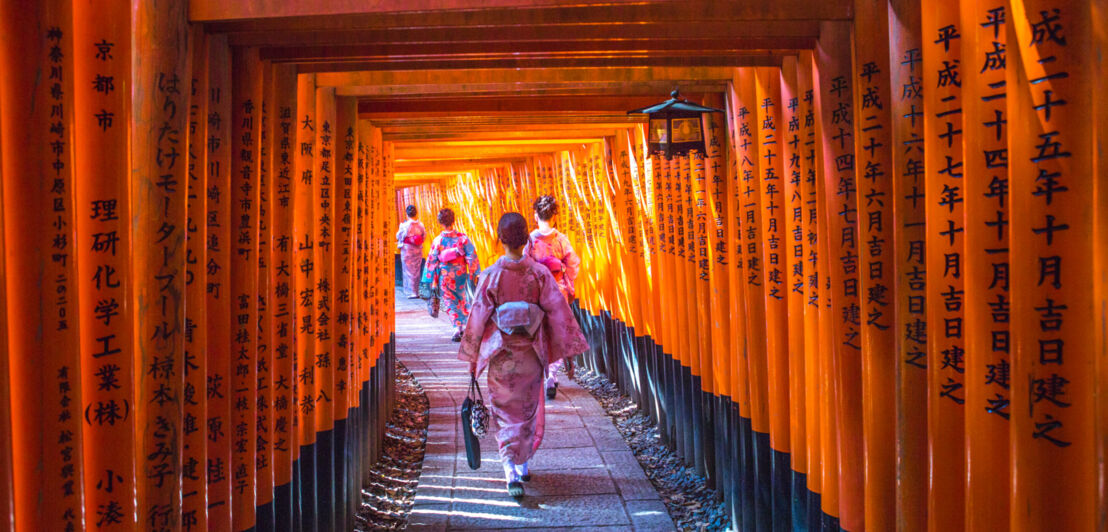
944,192
809,226
660,271
986,265
685,303
303,288
688,182
770,184
102,247
837,114
217,276
643,186
756,330
360,353
1051,139
36,55
740,390
194,497
792,246
701,270
159,162
322,187
828,409
282,105
263,460
906,76
713,264
245,122
347,141
873,152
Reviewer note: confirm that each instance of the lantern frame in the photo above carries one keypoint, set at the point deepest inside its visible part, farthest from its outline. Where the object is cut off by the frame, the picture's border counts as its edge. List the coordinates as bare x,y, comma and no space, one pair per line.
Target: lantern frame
675,113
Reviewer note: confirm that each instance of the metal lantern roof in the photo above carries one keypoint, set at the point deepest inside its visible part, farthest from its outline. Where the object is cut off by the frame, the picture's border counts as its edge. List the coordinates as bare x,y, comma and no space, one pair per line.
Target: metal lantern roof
675,104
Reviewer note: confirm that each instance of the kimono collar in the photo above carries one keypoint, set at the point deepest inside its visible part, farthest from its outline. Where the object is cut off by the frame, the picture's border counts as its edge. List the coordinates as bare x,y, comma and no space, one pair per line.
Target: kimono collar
515,265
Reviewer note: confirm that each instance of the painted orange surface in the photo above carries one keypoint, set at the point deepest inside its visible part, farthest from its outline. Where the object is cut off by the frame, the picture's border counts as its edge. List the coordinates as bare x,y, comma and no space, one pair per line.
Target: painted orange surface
217,277
873,150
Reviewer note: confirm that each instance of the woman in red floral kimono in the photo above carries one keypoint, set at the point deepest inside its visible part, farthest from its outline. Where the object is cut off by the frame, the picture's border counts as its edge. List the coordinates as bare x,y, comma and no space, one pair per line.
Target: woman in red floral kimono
552,249
519,324
409,240
450,263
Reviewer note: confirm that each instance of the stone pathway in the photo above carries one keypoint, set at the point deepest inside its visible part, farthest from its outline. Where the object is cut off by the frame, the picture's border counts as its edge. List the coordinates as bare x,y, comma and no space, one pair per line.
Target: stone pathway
584,475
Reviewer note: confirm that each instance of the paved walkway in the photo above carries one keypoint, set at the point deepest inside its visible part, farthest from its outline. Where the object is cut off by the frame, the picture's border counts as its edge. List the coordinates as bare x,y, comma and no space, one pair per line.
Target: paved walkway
583,476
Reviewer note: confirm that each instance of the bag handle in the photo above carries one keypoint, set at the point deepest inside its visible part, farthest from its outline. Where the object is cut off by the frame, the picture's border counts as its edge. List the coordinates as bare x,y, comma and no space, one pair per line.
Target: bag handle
475,387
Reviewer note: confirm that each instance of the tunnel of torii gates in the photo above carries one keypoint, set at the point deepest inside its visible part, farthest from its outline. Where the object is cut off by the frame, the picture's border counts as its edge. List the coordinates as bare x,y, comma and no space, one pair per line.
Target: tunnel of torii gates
877,301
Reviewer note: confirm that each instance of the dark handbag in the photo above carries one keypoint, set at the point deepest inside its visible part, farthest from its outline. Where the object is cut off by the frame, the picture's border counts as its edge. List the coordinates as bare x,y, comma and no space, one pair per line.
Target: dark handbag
475,423
433,303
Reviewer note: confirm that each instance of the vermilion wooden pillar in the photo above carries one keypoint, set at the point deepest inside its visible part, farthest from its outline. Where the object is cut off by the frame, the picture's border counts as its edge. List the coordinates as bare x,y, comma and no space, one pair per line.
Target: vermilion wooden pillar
774,276
263,460
813,276
835,109
245,132
718,256
1049,85
988,305
346,141
36,53
217,271
828,383
303,287
792,255
194,399
944,196
159,165
7,489
755,292
102,185
285,444
873,162
906,92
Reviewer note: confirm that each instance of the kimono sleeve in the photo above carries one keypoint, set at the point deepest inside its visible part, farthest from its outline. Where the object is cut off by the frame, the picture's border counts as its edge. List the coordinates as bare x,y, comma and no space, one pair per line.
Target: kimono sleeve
479,314
473,265
572,262
431,268
566,339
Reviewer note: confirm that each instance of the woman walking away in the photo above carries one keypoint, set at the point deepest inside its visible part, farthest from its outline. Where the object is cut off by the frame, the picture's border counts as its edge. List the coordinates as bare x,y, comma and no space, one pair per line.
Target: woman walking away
409,240
552,249
519,324
450,263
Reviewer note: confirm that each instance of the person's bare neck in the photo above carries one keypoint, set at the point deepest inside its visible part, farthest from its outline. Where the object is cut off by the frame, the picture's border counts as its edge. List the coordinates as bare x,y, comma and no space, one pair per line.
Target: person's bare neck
513,253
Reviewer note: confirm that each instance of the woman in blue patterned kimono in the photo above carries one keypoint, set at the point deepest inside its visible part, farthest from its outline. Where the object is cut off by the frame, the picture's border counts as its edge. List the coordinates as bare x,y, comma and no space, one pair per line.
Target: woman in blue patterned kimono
450,264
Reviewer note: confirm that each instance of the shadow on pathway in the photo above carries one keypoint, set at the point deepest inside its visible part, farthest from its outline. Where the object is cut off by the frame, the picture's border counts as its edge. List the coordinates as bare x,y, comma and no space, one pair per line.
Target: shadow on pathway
584,475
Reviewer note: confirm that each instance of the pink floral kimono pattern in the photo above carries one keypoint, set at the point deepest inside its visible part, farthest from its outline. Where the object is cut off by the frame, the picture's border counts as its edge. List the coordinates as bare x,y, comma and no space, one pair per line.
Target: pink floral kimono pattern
515,363
556,245
452,276
411,256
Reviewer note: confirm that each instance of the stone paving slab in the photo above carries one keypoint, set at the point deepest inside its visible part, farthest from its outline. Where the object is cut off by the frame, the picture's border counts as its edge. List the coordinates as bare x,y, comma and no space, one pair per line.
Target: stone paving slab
585,477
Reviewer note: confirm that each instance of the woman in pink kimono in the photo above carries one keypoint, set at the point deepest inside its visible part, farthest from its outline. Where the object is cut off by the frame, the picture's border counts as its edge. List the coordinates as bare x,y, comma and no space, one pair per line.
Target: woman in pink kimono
451,262
409,240
552,249
520,322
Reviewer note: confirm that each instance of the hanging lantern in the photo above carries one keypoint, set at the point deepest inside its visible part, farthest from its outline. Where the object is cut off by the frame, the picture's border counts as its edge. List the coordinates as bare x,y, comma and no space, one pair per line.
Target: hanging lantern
675,125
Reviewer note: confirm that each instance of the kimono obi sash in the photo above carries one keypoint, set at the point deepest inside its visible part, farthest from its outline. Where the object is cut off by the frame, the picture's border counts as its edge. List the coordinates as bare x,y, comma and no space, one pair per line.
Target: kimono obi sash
414,240
552,263
519,317
456,252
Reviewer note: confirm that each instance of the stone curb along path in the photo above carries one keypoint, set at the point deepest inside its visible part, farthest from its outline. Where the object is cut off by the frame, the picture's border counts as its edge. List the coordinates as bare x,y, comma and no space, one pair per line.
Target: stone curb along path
584,475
